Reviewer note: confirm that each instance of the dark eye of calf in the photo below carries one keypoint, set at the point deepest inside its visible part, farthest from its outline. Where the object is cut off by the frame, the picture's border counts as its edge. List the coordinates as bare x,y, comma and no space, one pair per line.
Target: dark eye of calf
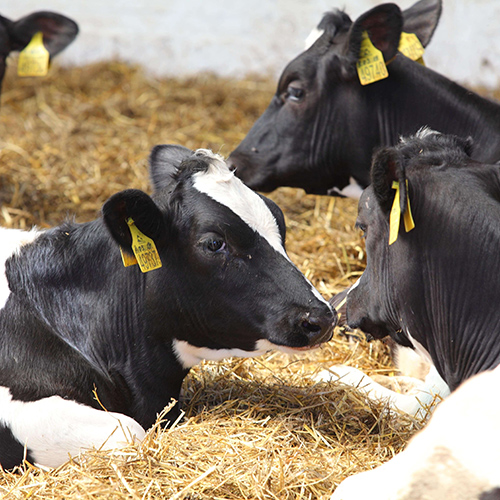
361,226
294,93
214,244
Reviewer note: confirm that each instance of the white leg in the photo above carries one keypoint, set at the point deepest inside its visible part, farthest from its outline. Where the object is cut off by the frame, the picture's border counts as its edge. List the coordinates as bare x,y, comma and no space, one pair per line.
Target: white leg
421,397
54,428
455,456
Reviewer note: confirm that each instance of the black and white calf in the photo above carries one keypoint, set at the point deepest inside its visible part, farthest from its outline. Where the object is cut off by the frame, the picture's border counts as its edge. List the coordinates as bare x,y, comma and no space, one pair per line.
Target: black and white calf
434,287
322,125
78,329
58,32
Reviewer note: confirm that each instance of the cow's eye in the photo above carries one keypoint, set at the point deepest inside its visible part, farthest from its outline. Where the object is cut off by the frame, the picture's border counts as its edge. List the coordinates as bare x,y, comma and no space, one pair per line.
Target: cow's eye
214,244
294,93
362,227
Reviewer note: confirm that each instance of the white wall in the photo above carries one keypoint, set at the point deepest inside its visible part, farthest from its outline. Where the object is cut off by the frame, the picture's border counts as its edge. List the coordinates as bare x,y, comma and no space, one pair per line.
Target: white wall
237,37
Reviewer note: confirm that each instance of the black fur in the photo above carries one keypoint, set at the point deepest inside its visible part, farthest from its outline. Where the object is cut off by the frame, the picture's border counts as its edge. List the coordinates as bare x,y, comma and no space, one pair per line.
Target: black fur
12,451
322,126
80,325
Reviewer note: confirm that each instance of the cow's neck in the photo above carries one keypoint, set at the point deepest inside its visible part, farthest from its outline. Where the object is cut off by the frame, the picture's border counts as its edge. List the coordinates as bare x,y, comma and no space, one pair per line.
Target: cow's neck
72,281
415,96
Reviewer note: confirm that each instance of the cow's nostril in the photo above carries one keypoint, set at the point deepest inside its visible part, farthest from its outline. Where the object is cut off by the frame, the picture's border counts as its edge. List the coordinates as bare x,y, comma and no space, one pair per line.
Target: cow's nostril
318,327
231,165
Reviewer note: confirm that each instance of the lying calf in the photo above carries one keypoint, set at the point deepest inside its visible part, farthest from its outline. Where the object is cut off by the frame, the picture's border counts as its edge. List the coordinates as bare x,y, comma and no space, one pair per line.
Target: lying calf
433,287
79,329
455,457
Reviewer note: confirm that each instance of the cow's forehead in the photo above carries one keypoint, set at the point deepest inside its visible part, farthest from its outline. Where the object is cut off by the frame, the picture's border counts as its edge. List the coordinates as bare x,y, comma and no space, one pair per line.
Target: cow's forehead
220,184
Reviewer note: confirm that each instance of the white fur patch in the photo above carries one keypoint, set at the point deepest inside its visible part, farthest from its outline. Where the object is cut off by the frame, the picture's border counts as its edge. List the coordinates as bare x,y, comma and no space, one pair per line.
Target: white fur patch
422,133
312,37
190,355
220,184
352,190
413,403
53,429
455,456
419,348
11,240
223,186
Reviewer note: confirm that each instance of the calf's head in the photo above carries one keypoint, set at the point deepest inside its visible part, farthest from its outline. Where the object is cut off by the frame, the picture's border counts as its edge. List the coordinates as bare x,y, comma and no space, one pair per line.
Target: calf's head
319,131
434,279
226,286
58,32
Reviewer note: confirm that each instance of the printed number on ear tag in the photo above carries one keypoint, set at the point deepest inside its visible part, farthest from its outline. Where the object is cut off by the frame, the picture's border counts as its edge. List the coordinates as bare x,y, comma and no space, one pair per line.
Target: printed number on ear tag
34,58
410,46
144,248
371,65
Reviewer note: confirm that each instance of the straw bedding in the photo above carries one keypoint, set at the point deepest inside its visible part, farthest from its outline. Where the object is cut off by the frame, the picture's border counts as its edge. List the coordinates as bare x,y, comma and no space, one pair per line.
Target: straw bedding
253,429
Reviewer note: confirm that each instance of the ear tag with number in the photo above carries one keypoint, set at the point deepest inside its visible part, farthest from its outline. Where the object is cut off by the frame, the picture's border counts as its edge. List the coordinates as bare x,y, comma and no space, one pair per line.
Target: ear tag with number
144,249
370,65
395,217
34,58
410,46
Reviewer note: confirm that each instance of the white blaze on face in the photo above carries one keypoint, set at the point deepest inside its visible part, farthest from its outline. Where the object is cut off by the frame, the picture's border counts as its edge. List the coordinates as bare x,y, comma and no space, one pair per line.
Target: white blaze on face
11,240
312,37
220,184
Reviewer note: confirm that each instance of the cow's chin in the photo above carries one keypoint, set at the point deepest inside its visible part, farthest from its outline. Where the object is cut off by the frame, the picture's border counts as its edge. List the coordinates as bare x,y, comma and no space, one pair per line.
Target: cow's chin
375,330
267,345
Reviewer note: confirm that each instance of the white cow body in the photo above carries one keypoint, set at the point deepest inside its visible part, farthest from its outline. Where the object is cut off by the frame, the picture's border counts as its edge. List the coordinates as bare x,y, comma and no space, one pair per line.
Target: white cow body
455,457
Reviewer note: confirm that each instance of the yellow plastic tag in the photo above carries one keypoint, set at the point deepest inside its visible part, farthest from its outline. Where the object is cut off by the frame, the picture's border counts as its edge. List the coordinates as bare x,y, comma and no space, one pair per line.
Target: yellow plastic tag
408,217
34,58
127,259
371,65
410,46
144,249
395,216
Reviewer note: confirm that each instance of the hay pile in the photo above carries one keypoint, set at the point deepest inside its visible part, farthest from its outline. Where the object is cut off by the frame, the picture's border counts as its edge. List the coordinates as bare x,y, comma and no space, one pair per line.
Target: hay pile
253,429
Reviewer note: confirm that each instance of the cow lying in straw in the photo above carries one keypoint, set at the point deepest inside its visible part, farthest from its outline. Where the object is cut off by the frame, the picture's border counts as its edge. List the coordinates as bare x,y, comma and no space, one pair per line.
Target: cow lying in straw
203,274
431,220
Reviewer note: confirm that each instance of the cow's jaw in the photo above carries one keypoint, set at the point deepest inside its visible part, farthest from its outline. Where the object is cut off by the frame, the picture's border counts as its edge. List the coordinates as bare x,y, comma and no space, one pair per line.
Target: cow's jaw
189,355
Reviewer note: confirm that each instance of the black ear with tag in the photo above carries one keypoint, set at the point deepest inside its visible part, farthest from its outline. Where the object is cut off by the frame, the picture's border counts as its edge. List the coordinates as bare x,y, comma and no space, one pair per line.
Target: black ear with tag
58,31
422,19
137,205
387,168
383,25
164,161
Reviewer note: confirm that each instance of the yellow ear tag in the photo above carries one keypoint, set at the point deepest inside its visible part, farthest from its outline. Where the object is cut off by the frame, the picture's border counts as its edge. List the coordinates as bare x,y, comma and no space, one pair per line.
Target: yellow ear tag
410,46
127,259
34,58
371,65
395,216
144,249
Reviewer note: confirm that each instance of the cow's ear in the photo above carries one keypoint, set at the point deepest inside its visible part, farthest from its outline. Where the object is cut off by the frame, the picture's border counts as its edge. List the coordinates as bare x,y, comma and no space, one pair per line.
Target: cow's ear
383,25
138,206
387,168
58,31
422,19
164,161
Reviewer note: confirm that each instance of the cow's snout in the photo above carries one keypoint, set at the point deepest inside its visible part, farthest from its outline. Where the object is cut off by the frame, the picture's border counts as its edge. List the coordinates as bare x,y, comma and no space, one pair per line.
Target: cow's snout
318,325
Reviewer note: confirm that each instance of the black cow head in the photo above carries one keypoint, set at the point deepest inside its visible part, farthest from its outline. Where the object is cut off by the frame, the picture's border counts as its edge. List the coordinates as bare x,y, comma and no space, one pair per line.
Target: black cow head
226,285
434,279
318,130
58,32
